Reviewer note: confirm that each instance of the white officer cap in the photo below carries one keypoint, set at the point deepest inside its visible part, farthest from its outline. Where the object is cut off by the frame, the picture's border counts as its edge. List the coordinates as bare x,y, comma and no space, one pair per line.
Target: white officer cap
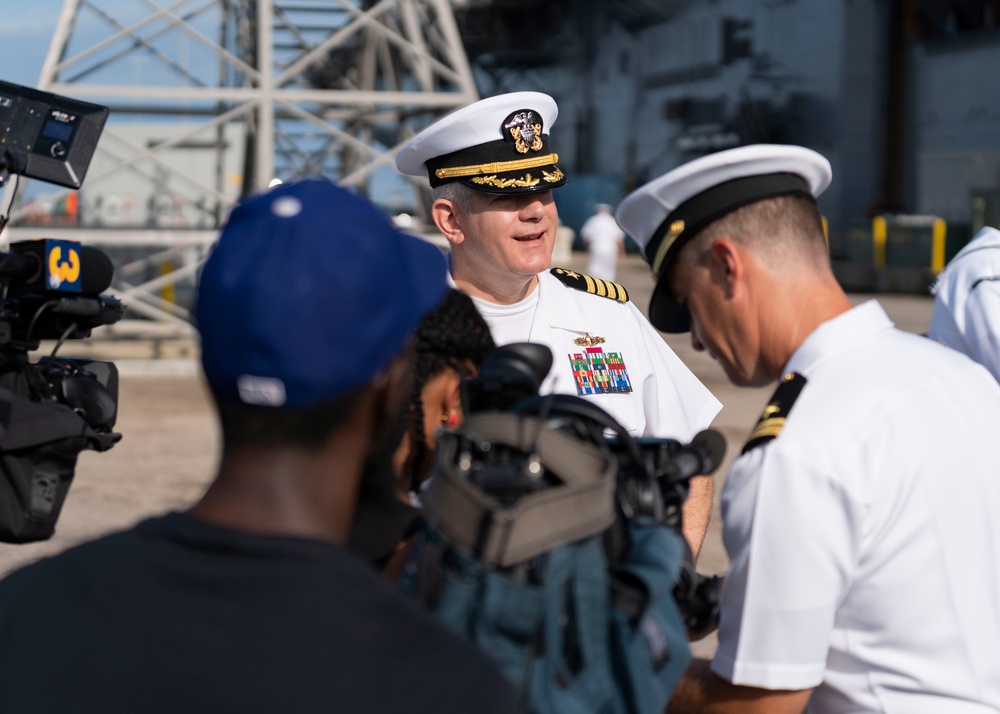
497,145
669,211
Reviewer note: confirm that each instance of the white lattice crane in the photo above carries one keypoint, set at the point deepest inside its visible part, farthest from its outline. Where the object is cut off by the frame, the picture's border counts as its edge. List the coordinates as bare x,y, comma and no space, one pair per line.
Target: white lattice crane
237,93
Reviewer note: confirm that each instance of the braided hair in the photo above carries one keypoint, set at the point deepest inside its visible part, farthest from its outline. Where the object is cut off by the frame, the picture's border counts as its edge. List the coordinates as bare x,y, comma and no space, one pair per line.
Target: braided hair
452,336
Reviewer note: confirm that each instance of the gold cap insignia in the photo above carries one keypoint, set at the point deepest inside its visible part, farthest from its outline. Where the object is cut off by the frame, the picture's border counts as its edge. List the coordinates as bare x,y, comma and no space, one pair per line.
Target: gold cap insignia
526,130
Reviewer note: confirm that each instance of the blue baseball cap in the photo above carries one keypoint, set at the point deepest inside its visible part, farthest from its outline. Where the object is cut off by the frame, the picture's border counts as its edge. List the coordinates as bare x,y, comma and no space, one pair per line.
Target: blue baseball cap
307,294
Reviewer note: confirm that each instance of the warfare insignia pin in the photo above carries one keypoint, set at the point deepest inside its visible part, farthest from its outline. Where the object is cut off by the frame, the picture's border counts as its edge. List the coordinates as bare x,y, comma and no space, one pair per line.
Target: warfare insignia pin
588,340
598,372
526,130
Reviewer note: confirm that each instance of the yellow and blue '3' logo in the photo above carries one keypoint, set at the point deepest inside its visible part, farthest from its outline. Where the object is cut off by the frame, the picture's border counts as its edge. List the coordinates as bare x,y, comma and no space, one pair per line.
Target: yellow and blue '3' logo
62,262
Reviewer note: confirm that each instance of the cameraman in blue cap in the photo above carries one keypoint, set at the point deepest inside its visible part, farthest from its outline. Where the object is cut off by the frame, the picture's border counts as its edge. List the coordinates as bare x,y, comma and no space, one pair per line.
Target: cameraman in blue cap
251,601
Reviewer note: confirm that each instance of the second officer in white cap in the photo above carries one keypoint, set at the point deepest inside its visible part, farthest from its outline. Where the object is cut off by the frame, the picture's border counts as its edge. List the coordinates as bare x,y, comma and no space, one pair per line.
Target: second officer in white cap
492,170
860,518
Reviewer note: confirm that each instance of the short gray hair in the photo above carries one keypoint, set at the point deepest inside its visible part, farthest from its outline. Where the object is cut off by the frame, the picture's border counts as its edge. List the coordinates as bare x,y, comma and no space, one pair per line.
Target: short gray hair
777,229
459,194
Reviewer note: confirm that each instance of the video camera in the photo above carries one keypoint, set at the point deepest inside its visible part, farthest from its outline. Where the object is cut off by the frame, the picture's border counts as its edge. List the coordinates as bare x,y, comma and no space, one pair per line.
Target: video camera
49,290
653,474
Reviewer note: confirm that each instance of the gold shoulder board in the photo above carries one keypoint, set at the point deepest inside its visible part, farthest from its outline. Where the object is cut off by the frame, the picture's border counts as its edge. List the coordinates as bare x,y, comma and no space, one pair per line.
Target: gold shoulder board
594,286
772,419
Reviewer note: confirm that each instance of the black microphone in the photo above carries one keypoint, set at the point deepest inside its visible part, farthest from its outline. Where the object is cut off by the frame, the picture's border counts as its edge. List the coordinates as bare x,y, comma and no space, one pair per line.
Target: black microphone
46,265
97,270
702,456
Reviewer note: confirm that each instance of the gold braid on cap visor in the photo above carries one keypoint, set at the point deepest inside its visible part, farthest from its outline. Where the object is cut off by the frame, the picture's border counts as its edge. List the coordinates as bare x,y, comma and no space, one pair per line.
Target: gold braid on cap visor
496,167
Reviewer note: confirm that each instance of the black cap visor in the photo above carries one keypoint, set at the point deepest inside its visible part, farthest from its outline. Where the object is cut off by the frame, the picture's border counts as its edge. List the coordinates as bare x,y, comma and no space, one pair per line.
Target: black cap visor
665,313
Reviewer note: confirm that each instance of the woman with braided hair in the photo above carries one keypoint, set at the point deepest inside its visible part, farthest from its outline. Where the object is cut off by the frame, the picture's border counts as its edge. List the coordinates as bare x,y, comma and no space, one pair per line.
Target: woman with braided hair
450,345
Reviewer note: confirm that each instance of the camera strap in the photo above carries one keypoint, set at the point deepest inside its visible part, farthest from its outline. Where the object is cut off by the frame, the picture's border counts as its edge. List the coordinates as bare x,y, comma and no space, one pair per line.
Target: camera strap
501,535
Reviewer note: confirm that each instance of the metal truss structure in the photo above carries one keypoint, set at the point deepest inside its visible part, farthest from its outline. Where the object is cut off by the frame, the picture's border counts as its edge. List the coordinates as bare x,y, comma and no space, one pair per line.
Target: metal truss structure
257,90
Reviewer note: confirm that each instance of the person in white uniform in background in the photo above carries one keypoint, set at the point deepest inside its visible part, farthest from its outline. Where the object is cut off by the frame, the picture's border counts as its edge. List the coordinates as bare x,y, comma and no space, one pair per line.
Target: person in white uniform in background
605,242
966,313
492,172
860,519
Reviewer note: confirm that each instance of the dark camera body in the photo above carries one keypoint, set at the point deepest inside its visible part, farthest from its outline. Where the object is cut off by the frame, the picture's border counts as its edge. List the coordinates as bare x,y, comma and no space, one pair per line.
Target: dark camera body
55,408
653,474
51,410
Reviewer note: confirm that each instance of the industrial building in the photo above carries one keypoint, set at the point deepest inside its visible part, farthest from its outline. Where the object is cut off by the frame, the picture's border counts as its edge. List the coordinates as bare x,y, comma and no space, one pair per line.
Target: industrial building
901,95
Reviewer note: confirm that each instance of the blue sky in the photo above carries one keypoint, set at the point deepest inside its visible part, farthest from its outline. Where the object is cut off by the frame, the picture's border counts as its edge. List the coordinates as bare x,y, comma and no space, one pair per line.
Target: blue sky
27,30
25,34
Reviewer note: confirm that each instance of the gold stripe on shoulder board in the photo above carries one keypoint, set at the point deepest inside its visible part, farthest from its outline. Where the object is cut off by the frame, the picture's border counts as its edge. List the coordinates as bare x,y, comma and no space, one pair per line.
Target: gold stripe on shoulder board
772,419
588,284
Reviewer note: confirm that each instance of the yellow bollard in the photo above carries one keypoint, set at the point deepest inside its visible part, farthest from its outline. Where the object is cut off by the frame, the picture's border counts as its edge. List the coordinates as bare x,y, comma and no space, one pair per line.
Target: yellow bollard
168,290
879,234
938,233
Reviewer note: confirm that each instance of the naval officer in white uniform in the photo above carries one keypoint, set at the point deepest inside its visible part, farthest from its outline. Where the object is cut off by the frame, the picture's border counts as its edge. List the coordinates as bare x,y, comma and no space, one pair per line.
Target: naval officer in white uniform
860,519
492,171
966,313
605,242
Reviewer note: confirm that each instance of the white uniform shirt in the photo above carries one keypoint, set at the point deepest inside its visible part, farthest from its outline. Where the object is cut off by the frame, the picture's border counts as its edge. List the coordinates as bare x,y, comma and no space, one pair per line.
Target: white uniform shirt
603,237
666,399
865,538
967,301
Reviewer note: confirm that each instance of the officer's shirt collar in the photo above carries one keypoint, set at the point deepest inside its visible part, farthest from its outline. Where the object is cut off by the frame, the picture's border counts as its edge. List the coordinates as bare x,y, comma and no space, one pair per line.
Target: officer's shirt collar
839,335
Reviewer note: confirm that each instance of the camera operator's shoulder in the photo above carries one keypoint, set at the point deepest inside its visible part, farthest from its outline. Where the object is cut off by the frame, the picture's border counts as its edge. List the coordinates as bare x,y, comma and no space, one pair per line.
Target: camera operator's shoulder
589,284
423,655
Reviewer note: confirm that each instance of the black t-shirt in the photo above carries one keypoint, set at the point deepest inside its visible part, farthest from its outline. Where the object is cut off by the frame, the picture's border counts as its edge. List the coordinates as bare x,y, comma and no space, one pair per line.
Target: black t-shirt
176,615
